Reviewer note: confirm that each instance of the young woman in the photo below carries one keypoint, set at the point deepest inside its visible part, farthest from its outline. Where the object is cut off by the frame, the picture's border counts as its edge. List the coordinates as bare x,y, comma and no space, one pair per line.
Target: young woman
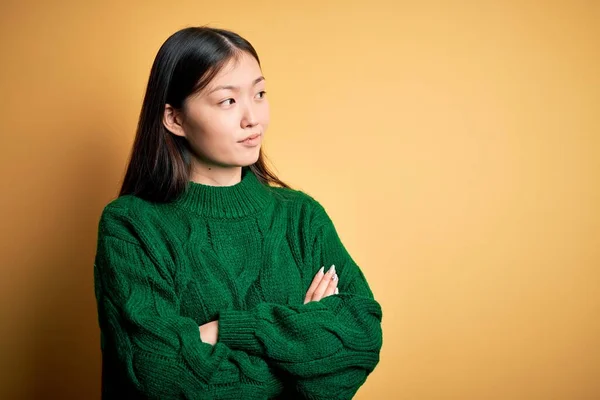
213,278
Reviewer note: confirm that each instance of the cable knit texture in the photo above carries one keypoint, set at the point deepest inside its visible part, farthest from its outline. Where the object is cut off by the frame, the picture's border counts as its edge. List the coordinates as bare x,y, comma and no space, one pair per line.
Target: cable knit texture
244,255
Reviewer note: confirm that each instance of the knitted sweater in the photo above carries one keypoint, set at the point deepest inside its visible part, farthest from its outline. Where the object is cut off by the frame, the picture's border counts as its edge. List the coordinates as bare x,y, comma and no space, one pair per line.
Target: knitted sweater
245,255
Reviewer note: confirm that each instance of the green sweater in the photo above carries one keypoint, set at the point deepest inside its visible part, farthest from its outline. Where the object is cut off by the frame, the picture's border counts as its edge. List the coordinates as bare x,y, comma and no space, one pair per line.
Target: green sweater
245,255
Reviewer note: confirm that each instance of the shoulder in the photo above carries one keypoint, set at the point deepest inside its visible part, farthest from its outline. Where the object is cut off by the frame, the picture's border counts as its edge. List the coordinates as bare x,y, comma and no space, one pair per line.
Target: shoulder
294,197
125,207
122,216
303,203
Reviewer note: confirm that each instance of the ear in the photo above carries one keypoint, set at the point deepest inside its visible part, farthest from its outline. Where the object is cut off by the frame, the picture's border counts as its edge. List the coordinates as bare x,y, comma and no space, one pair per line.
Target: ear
173,121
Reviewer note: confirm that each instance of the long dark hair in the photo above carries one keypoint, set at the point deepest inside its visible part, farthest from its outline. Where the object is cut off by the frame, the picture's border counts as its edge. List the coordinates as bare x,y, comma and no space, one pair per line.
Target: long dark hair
160,162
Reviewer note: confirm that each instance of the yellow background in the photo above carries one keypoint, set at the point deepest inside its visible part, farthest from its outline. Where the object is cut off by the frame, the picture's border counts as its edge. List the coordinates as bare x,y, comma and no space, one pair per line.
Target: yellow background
455,144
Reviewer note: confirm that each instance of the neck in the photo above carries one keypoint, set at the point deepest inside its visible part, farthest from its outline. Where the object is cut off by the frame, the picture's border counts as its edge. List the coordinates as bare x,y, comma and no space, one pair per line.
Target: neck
247,196
216,176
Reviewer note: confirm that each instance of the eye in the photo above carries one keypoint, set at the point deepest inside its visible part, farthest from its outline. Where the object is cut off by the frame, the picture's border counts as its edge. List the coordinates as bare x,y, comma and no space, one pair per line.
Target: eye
227,102
261,94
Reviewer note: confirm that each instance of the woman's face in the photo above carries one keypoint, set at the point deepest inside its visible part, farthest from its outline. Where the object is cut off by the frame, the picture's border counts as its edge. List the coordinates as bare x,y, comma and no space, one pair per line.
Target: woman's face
225,123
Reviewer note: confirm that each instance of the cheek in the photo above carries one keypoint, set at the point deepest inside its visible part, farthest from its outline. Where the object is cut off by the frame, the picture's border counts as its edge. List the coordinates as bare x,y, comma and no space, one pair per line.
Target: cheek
264,115
213,135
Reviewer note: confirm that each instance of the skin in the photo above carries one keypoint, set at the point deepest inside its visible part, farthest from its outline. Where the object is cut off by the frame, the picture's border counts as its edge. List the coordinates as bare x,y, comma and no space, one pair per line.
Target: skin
214,121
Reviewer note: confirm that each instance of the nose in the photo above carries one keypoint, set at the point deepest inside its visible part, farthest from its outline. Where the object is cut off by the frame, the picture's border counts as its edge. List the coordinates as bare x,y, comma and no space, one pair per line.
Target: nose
249,117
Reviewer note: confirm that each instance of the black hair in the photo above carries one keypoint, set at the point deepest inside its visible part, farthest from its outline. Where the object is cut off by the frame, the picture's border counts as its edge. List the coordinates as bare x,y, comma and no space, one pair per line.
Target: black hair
160,162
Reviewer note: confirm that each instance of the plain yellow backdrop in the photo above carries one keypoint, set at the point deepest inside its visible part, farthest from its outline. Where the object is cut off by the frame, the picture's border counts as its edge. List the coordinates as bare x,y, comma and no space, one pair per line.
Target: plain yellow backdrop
455,144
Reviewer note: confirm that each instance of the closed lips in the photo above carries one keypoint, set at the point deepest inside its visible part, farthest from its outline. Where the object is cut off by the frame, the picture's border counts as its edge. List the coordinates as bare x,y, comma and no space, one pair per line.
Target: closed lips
251,137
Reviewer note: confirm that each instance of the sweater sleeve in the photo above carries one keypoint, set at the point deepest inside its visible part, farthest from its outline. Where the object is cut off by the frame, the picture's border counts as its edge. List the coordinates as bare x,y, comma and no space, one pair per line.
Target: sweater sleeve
328,347
158,351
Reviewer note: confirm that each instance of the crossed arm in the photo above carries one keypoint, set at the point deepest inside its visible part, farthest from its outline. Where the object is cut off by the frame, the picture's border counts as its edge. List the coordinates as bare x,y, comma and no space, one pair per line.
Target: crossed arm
323,284
325,347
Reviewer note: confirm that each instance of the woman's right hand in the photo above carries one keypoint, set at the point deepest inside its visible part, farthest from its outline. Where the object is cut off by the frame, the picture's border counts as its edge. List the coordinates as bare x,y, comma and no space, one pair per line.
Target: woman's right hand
323,285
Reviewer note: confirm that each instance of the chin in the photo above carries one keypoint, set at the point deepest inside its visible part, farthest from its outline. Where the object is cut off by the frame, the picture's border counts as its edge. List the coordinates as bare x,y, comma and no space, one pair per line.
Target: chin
250,160
243,163
243,160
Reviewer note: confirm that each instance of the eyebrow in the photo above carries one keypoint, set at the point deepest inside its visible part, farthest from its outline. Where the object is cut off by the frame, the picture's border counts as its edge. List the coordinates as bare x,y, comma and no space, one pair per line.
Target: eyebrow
236,88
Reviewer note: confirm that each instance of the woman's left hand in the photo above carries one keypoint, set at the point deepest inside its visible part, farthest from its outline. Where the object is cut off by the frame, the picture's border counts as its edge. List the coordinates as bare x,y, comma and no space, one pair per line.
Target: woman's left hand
209,332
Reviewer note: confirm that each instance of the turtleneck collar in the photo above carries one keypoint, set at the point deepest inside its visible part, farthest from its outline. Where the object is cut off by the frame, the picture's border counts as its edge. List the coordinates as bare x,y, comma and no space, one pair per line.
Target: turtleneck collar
239,200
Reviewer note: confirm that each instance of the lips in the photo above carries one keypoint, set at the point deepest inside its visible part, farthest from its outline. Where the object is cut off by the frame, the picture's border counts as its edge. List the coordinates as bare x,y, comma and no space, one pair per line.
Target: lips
251,137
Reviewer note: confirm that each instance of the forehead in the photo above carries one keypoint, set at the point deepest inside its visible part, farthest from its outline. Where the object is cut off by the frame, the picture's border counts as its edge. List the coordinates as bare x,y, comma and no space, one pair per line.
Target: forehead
240,70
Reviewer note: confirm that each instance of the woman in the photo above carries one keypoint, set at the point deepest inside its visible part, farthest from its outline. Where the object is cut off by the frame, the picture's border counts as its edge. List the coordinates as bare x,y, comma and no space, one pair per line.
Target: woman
209,272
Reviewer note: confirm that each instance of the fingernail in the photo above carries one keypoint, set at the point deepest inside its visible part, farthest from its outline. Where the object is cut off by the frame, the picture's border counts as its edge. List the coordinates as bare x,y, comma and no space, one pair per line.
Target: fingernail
335,277
321,270
331,270
337,291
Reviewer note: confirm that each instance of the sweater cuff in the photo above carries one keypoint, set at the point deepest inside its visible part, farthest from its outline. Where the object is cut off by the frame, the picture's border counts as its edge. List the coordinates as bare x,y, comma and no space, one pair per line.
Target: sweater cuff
237,331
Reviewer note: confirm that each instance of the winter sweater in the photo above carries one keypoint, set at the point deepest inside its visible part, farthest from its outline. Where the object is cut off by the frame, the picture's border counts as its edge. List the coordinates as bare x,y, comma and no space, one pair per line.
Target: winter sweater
244,255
